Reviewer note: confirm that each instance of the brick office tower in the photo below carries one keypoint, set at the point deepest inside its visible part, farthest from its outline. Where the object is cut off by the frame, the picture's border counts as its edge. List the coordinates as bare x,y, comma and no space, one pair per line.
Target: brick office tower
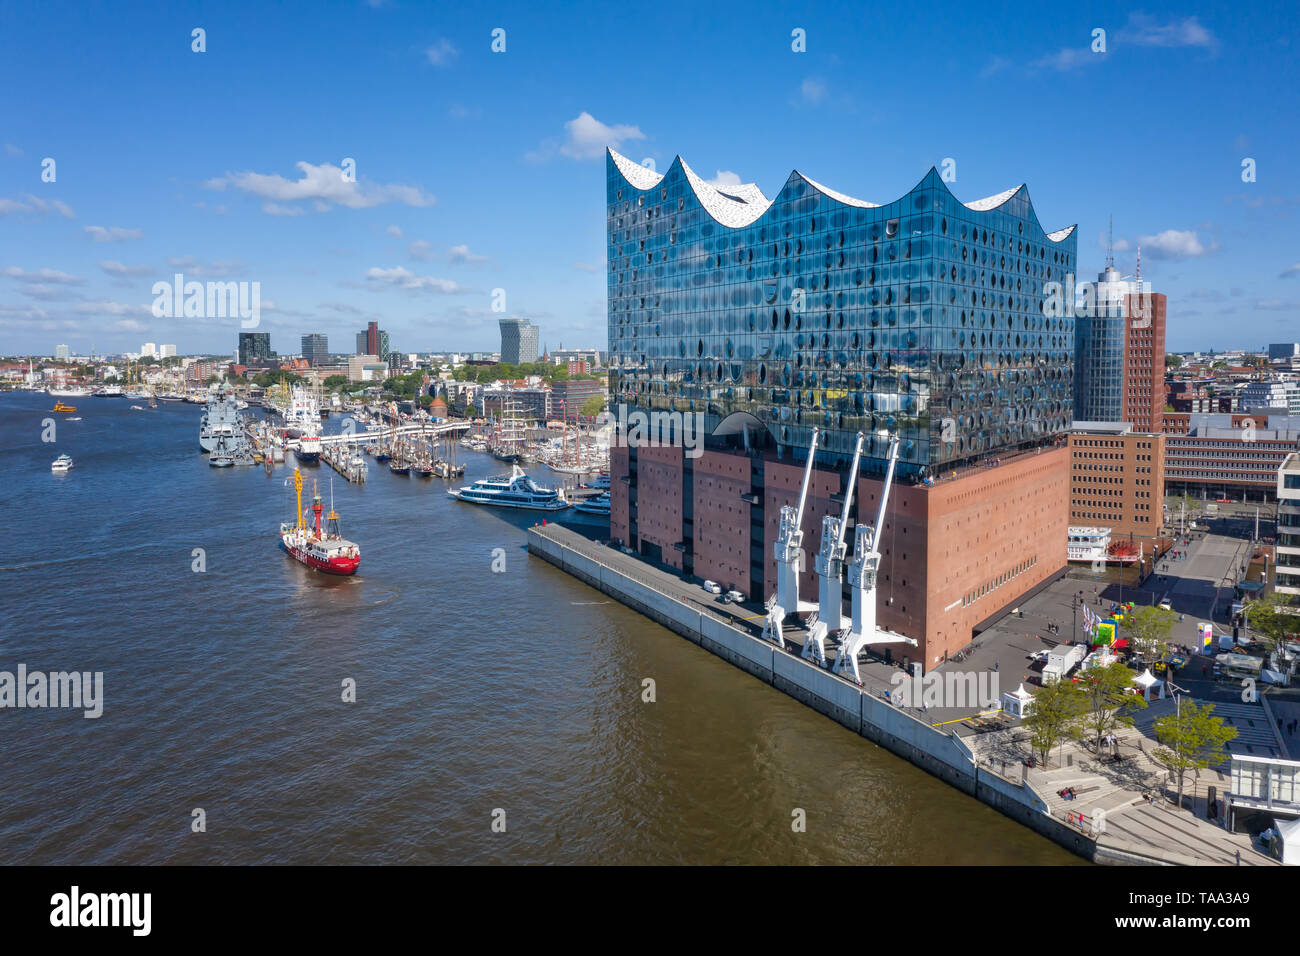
922,317
1144,362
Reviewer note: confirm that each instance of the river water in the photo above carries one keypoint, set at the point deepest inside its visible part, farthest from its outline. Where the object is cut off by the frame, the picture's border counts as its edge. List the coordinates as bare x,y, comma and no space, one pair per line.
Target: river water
513,696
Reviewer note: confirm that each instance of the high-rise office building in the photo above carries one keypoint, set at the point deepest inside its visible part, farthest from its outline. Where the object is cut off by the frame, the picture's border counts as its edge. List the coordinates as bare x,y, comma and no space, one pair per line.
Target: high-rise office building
255,348
373,341
167,351
1287,553
518,342
316,349
925,317
61,353
1119,361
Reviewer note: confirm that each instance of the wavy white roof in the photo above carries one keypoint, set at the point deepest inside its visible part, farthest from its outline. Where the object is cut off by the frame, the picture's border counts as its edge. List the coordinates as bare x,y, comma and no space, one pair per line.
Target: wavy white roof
991,202
737,206
840,197
641,177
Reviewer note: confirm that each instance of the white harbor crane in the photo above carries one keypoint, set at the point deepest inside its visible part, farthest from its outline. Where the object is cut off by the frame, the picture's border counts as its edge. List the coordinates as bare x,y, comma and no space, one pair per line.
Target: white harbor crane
788,551
862,582
830,571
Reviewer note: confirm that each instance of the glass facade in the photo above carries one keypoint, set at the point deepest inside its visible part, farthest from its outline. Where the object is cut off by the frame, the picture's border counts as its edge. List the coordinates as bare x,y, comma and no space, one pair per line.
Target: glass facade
1099,368
924,316
518,341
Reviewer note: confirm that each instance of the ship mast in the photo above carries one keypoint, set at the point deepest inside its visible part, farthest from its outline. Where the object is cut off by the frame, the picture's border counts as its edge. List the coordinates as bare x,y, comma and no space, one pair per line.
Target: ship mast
297,487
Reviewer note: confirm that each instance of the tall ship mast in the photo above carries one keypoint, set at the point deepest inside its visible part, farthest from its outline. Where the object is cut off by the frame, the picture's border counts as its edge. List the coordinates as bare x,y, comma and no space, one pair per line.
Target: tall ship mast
512,434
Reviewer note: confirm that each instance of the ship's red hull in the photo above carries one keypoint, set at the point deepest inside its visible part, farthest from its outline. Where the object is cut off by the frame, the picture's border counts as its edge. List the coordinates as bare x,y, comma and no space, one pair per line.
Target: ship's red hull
340,565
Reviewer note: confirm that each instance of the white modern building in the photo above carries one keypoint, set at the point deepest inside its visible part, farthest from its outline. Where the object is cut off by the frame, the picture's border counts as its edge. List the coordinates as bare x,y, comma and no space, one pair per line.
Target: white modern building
1278,395
149,350
61,353
166,351
1287,571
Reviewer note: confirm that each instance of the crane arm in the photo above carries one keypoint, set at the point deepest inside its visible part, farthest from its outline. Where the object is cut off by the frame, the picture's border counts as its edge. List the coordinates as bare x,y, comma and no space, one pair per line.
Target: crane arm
807,474
848,494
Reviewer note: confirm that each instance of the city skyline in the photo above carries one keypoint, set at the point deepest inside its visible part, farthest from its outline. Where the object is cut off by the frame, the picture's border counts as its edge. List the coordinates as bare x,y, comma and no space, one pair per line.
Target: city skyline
490,205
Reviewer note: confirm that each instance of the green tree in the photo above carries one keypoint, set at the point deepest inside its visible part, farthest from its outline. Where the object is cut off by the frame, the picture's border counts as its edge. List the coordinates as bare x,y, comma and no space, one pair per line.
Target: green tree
1173,361
1148,628
593,406
1057,708
1193,739
336,381
1108,696
1273,618
471,411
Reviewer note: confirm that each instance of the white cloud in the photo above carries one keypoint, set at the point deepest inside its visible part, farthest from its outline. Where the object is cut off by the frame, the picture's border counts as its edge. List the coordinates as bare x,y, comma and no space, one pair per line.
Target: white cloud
1174,244
812,91
586,267
113,233
421,250
394,231
217,268
113,308
1069,58
1276,305
324,185
279,209
41,205
400,278
114,268
1290,272
1145,30
725,178
43,275
32,203
442,53
462,254
587,136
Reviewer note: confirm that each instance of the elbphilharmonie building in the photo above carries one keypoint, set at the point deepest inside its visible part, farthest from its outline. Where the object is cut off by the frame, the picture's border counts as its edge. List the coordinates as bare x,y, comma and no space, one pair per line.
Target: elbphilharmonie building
942,322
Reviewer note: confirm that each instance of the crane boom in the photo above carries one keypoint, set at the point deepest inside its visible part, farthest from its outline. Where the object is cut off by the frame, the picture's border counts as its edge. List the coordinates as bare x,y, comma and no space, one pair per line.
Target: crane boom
807,474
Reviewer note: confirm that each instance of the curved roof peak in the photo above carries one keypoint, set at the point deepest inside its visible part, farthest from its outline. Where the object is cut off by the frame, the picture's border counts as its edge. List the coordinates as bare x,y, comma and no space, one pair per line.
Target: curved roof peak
839,197
641,177
741,205
992,202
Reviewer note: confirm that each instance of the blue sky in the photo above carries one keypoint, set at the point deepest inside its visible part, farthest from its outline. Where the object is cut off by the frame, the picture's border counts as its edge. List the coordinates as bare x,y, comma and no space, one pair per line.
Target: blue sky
479,170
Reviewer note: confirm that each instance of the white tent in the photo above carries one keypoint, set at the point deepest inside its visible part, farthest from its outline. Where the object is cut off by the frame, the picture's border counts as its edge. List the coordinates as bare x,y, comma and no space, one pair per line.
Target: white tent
1289,832
1150,686
1019,702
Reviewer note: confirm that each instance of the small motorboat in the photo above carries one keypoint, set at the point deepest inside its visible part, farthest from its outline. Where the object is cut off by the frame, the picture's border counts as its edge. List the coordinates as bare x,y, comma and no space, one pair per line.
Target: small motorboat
61,465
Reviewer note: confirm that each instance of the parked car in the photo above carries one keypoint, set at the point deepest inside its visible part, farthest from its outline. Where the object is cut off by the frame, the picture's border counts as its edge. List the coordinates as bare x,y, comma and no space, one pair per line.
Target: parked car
713,587
1165,605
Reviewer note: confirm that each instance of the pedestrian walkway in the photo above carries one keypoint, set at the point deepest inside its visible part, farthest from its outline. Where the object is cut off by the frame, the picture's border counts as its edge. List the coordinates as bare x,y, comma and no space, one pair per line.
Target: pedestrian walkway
1130,824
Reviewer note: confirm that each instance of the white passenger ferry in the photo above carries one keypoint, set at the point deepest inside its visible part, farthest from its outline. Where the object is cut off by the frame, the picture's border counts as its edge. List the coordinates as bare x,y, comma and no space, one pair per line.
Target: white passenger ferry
515,490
